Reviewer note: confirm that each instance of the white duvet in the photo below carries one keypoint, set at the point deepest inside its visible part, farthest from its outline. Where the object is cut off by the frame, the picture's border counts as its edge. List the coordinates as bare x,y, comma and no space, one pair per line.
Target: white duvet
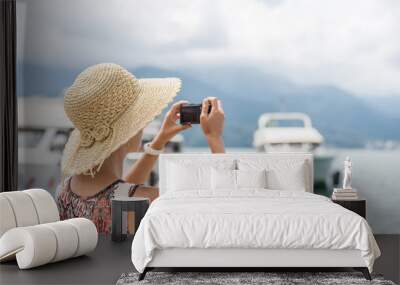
250,219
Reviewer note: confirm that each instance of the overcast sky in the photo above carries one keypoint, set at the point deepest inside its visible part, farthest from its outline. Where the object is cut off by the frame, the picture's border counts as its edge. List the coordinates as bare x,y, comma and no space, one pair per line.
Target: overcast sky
351,44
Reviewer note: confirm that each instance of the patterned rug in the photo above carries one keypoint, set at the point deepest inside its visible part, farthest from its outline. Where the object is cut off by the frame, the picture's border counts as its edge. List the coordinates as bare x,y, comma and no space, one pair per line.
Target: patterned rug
269,278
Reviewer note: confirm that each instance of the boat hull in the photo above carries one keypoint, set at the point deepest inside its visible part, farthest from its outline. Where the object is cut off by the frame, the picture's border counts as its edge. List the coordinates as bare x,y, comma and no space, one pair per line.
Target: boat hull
322,167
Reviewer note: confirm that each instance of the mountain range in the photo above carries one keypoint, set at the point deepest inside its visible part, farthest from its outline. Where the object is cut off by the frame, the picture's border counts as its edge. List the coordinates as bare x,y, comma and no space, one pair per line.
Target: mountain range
343,119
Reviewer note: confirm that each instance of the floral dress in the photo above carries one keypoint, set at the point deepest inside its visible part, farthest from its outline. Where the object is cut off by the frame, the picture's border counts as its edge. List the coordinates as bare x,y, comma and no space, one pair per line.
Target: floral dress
96,208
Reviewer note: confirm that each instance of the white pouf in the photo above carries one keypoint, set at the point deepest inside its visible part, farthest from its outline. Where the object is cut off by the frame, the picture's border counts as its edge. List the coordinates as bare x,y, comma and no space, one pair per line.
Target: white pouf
40,244
67,240
7,218
87,235
45,205
32,246
23,208
31,233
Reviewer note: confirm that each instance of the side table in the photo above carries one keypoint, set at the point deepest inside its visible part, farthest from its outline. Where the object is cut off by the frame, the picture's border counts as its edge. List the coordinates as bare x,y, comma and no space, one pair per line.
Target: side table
357,206
127,214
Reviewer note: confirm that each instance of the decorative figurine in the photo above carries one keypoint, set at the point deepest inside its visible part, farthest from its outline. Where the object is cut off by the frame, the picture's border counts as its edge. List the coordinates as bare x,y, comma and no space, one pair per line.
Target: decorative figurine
347,173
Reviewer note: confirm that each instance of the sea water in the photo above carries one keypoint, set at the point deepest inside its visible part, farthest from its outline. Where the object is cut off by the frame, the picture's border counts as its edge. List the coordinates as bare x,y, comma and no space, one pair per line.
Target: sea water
376,176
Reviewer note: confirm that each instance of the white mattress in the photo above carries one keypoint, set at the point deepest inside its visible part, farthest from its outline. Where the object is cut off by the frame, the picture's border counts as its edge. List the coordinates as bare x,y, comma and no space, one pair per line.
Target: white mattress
255,257
255,219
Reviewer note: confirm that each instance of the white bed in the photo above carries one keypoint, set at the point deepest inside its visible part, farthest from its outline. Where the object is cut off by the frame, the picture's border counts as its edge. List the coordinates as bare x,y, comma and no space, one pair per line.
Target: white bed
204,219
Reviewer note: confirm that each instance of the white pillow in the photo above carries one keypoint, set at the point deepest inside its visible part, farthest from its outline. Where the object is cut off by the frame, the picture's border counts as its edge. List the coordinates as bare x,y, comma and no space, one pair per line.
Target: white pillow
223,179
251,178
282,174
194,174
227,179
291,178
183,177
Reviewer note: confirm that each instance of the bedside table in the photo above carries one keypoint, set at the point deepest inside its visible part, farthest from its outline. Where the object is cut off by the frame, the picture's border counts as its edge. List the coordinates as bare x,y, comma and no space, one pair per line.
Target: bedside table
126,214
357,206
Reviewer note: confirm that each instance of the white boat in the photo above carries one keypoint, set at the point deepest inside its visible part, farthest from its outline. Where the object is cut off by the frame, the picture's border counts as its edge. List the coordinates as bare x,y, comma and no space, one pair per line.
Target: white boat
293,132
43,130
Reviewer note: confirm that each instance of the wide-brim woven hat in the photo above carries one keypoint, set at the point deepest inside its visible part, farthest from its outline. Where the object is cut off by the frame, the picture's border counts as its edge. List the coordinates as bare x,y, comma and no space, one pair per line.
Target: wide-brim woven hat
108,106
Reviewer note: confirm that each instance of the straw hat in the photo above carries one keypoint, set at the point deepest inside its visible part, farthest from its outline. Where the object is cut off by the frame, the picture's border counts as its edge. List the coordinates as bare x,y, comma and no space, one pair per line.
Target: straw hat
108,106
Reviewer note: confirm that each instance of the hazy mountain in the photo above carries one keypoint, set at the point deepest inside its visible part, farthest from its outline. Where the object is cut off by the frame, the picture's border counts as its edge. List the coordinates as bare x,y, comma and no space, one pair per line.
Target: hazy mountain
343,119
389,105
35,79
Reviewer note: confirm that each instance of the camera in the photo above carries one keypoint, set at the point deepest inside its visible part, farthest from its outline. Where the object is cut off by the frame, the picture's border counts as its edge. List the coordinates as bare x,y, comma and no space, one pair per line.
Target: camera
190,113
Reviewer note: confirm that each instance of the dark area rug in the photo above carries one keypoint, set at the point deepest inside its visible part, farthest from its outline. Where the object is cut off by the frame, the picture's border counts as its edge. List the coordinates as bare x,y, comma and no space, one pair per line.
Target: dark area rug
228,278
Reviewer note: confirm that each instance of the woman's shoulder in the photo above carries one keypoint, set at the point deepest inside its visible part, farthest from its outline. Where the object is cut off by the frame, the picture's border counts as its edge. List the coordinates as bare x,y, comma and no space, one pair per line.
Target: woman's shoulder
62,189
118,188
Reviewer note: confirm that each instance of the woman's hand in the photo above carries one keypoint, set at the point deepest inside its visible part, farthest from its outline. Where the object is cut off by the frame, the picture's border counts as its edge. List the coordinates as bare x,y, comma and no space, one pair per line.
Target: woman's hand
169,127
147,191
213,124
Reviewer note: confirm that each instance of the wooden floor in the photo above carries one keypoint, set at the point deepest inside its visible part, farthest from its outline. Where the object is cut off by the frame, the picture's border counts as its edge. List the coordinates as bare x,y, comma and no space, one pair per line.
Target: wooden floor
110,260
389,262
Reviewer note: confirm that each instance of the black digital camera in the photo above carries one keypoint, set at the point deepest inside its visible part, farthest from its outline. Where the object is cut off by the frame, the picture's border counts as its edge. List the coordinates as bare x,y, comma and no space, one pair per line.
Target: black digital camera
190,113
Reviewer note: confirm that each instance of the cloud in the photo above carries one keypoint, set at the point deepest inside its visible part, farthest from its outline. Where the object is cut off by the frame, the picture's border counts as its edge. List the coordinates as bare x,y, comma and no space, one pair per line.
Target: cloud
352,45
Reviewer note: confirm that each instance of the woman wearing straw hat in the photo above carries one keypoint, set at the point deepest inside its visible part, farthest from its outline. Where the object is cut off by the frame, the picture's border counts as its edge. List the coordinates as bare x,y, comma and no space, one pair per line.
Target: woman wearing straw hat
109,108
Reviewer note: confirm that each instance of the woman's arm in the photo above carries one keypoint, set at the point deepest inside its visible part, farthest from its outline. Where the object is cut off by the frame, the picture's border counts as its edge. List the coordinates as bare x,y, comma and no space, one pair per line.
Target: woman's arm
140,171
216,145
213,124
